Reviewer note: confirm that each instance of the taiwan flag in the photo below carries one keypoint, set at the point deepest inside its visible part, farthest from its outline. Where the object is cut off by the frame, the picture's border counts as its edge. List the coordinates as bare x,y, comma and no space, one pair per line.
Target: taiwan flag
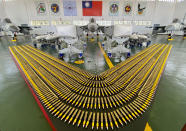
92,8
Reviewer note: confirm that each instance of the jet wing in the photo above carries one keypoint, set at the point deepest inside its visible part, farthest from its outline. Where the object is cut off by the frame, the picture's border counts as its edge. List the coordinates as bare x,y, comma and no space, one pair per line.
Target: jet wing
174,27
104,28
119,49
70,50
70,41
75,50
25,29
53,37
159,29
13,28
119,40
101,28
84,28
41,37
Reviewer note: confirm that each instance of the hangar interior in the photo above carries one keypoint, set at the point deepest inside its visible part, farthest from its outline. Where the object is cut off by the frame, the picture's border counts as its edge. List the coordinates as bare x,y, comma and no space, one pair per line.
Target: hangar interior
92,65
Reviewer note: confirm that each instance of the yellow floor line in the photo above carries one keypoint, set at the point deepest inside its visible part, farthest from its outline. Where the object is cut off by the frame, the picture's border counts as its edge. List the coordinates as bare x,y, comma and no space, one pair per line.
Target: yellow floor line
147,127
106,57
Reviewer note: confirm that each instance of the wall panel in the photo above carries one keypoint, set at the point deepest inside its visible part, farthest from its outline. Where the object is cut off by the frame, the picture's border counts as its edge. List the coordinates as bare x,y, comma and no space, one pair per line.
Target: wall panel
2,11
159,12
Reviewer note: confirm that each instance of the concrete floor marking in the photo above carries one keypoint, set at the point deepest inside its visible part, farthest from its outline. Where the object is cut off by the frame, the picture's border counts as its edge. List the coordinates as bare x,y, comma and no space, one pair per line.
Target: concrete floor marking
147,127
106,57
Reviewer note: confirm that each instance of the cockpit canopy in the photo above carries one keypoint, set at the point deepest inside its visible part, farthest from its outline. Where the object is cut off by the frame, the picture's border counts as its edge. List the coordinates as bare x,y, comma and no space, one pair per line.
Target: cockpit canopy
92,20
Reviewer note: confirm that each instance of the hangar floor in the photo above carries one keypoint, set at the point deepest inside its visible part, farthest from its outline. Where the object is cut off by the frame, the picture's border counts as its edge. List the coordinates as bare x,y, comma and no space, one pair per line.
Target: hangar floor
19,111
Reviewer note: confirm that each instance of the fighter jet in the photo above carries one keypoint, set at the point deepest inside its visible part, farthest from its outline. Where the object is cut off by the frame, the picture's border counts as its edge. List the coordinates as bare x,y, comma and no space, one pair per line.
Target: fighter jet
92,27
120,40
40,38
25,29
135,36
176,25
119,49
69,52
48,39
122,34
7,25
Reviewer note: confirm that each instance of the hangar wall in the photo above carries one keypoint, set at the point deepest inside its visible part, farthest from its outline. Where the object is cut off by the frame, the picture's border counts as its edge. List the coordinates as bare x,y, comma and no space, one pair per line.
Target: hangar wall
164,12
158,12
24,9
180,10
2,12
17,11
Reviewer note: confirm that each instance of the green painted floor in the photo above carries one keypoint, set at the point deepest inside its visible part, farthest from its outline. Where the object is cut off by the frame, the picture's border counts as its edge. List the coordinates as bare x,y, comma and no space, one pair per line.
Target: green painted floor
19,111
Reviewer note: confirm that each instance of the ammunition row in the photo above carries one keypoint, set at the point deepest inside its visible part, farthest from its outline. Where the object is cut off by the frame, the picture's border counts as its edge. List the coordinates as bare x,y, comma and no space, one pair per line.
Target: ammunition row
131,65
126,62
94,77
63,101
60,63
111,90
74,99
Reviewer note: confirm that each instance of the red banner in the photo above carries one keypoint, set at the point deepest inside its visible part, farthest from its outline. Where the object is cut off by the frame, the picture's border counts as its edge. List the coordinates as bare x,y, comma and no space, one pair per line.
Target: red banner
92,8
